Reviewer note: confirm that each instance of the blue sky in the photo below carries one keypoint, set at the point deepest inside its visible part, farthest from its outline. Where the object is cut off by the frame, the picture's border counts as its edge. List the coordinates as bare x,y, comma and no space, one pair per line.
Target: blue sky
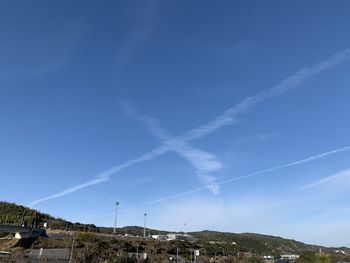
179,109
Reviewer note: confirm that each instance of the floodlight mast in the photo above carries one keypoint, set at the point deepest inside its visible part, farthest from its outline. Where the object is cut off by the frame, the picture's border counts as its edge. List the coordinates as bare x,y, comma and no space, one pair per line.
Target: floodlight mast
116,218
144,225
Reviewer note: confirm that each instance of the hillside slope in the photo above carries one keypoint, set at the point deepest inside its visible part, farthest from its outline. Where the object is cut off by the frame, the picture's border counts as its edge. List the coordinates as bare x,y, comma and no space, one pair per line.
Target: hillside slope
257,243
11,213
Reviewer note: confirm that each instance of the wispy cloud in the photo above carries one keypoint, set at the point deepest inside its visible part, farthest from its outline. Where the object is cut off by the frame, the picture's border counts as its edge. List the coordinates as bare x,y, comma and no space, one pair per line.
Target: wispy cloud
341,175
42,53
105,175
225,119
329,228
240,215
291,82
147,14
204,162
340,178
268,170
218,214
259,137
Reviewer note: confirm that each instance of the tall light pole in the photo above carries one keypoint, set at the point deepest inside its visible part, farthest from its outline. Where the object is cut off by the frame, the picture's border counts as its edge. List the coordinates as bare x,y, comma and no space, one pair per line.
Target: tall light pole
116,218
144,225
71,251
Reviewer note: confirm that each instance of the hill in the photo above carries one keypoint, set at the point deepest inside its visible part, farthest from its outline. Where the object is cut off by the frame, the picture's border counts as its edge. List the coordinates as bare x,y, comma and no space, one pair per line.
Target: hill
11,213
255,243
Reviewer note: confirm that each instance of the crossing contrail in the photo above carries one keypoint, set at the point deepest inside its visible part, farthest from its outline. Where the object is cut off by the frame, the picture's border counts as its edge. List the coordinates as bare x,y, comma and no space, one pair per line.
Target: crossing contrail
265,171
249,175
225,119
204,162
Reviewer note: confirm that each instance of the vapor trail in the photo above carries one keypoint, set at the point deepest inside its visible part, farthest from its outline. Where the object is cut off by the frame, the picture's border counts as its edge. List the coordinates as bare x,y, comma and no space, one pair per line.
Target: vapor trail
239,178
204,162
289,83
227,118
105,175
265,171
342,176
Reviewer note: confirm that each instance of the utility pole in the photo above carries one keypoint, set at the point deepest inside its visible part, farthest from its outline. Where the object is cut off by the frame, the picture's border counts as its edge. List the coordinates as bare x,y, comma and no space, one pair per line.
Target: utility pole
144,226
116,218
71,251
137,251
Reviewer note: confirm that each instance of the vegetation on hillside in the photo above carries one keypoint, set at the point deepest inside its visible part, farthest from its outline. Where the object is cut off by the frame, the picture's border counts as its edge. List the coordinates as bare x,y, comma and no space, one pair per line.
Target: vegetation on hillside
211,243
11,213
17,214
316,257
261,244
91,247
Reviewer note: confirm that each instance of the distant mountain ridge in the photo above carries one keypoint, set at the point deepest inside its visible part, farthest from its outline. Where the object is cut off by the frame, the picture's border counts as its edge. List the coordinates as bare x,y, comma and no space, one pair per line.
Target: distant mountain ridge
256,243
263,243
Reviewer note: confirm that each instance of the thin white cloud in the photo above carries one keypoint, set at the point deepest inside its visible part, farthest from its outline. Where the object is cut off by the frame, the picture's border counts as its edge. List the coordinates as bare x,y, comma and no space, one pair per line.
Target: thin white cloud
217,214
228,117
204,162
340,178
105,175
291,82
259,137
316,157
203,213
278,167
266,171
72,189
327,229
140,33
275,217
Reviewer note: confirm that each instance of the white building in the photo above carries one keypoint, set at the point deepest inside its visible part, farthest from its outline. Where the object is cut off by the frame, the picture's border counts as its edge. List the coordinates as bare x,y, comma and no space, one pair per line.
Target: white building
291,257
268,259
169,237
160,237
183,237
